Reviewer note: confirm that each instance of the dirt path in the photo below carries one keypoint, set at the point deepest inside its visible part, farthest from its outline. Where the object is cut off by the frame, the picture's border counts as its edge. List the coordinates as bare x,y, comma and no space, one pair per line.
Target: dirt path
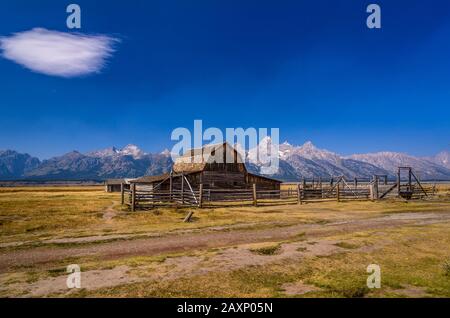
110,212
170,269
195,241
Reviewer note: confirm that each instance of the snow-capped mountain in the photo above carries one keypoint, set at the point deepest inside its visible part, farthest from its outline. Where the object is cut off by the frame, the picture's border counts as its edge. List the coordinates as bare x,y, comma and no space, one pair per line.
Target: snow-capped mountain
258,155
129,150
442,159
308,161
166,153
295,162
390,161
307,151
128,162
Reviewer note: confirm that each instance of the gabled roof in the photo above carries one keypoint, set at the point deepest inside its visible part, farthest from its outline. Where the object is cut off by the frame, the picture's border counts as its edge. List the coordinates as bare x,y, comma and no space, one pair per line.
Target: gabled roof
151,179
197,158
118,181
264,177
184,164
160,178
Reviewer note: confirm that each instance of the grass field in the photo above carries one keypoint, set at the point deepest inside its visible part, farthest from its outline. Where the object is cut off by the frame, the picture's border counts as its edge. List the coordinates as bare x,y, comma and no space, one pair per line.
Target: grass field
310,250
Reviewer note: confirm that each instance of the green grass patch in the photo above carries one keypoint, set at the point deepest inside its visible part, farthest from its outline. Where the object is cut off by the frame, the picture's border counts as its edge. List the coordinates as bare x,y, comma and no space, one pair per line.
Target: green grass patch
267,250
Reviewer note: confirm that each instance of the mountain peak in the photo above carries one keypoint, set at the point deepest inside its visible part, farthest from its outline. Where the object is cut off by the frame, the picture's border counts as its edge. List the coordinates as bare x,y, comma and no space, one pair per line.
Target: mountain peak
130,146
108,152
309,151
443,158
8,152
128,150
166,152
308,145
266,141
132,150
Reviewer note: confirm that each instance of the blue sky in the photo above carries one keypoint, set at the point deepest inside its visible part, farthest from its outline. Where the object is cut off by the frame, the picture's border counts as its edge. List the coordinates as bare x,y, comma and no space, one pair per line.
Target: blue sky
311,68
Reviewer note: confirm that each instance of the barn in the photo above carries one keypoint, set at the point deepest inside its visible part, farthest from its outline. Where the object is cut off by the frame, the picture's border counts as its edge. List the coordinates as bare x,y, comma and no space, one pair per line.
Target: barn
115,185
217,166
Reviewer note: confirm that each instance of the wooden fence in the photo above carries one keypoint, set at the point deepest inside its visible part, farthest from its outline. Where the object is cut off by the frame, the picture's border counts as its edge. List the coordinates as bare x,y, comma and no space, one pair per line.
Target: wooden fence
144,198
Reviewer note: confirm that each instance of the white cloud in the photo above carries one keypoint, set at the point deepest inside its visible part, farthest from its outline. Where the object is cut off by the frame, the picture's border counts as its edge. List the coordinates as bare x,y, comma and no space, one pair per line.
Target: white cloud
58,53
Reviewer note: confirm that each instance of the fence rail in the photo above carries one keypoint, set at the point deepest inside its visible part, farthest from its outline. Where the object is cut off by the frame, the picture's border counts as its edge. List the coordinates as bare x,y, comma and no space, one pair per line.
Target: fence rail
145,197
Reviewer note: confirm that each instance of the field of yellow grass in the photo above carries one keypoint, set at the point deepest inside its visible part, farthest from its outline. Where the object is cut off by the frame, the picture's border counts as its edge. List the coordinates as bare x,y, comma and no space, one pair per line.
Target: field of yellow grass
309,250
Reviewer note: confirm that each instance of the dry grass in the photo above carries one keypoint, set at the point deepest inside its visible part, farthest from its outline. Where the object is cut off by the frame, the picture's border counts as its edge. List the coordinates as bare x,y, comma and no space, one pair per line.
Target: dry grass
30,213
415,256
410,258
446,267
34,214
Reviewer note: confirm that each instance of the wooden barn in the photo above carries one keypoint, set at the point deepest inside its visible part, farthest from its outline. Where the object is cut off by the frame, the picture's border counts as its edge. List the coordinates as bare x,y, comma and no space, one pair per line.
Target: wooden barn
115,185
217,166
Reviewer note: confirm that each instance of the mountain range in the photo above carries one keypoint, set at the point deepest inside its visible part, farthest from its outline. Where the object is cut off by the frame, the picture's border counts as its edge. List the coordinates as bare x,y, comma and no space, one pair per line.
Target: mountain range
128,162
296,162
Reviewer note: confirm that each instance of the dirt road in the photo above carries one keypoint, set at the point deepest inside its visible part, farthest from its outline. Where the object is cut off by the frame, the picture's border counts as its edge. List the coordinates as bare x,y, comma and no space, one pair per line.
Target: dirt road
219,239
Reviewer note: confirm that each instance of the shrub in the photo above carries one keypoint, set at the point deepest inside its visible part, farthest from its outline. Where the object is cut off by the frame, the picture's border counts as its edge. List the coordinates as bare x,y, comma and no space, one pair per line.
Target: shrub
446,267
356,292
268,250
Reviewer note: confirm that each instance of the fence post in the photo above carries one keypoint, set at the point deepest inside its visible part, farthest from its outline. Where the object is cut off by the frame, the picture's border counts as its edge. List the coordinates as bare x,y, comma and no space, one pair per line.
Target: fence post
299,195
337,192
200,196
122,194
182,188
375,188
255,201
133,197
409,179
171,186
188,217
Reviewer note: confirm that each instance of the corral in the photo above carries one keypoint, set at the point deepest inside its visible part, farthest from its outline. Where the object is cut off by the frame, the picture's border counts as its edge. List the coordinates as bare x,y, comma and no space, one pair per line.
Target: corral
211,184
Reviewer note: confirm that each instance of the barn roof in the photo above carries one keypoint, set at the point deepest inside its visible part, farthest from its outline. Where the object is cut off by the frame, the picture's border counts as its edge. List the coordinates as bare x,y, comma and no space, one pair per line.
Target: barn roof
117,181
205,150
195,160
160,178
152,179
264,177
